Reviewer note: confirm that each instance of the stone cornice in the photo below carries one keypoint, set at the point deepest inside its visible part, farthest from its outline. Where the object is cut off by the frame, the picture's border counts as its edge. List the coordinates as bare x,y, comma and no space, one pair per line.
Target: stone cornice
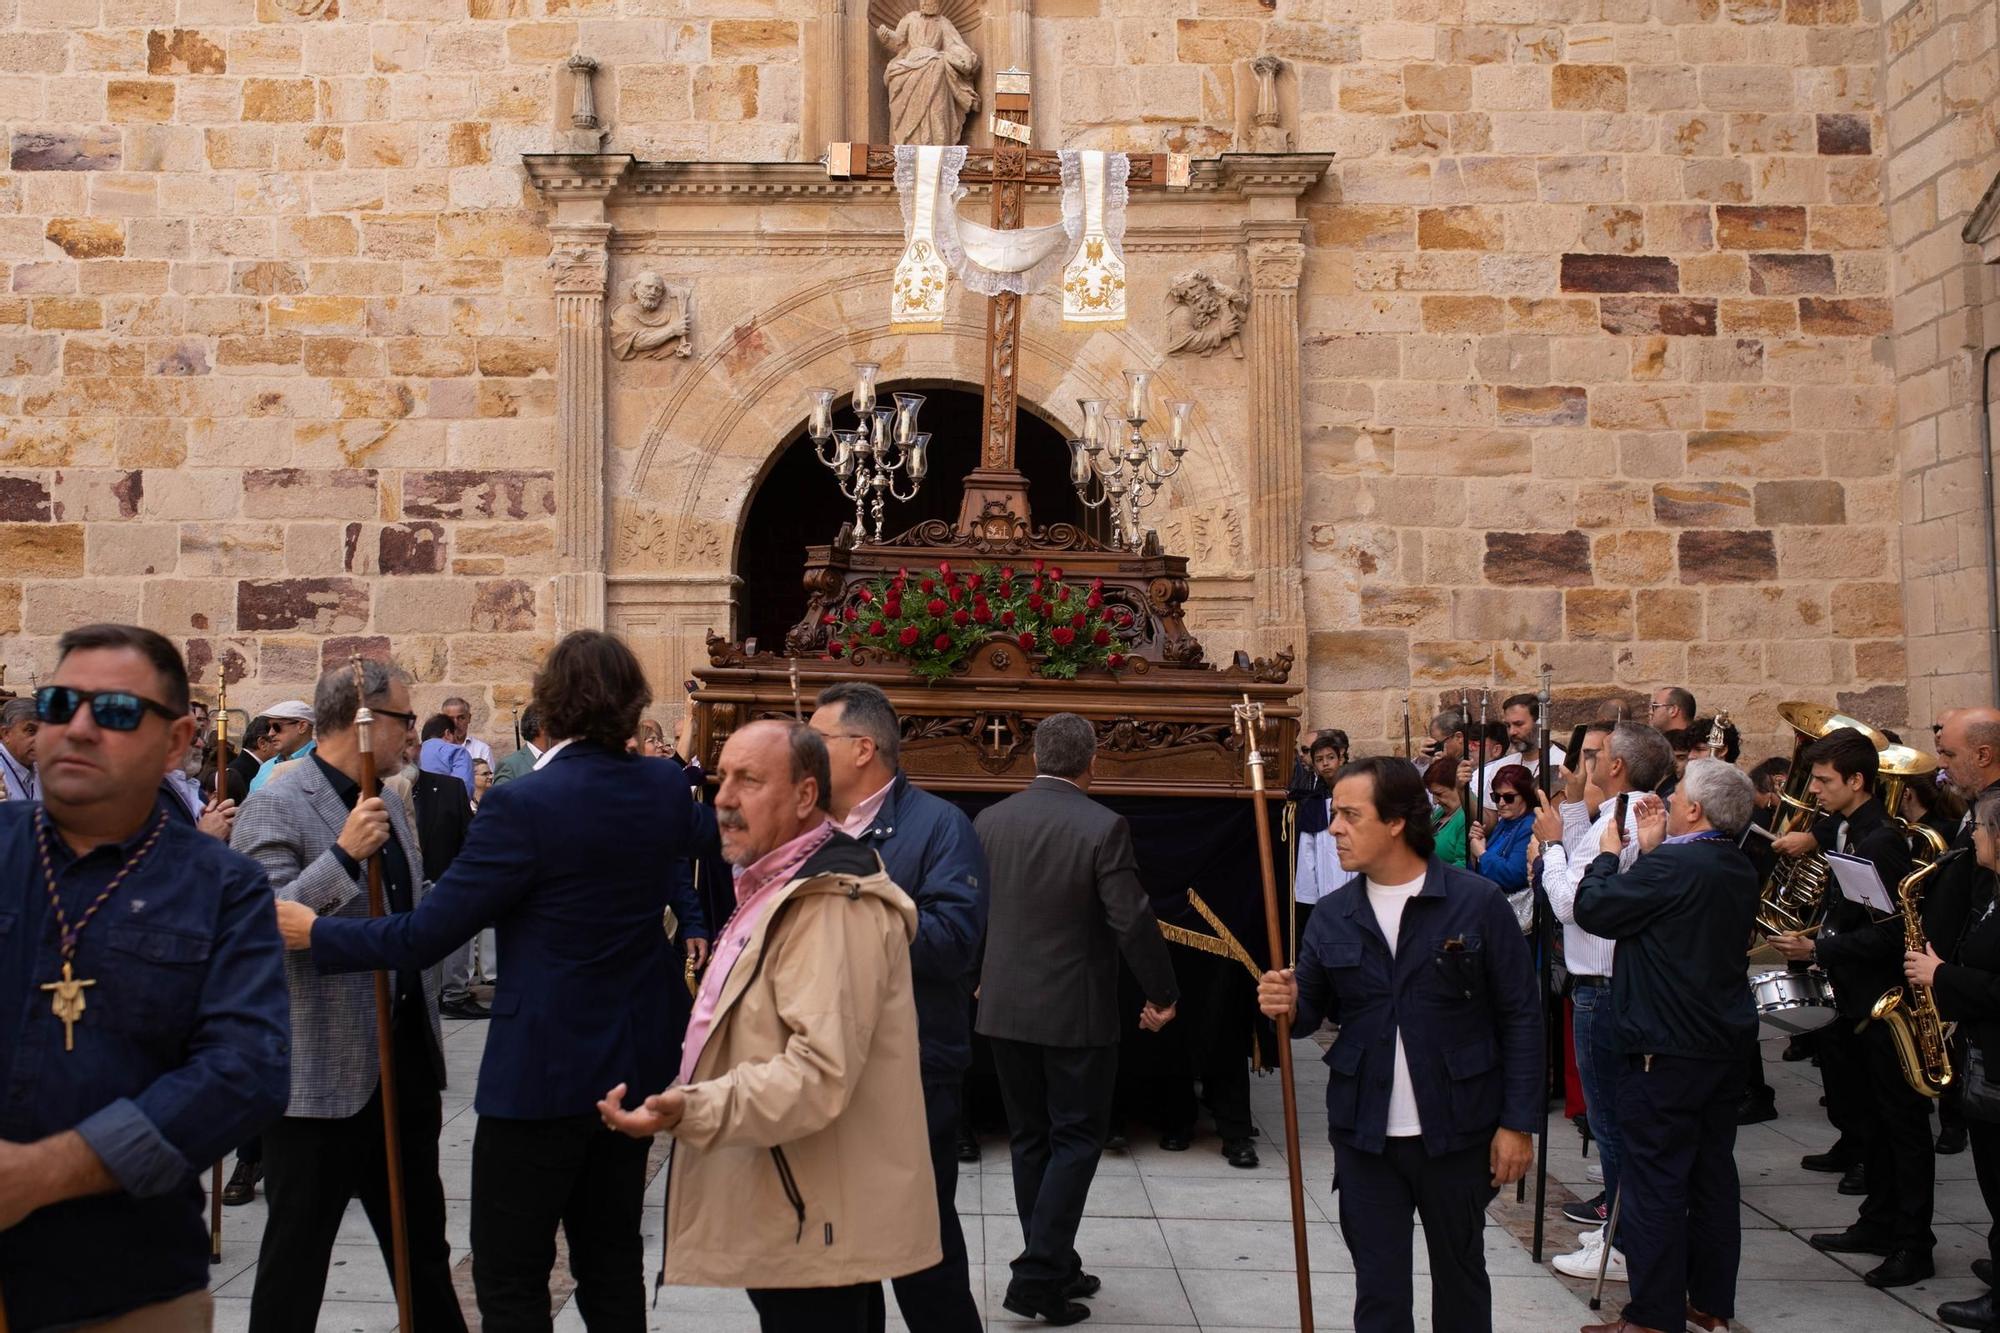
624,179
744,240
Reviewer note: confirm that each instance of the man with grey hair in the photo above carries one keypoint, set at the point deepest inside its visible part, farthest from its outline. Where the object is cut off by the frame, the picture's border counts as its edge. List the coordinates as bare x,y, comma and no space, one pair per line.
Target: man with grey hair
1632,762
313,833
1067,904
18,725
1684,1027
929,849
460,713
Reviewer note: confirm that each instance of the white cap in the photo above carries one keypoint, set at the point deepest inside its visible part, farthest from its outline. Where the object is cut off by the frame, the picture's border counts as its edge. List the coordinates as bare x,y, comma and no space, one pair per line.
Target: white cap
291,710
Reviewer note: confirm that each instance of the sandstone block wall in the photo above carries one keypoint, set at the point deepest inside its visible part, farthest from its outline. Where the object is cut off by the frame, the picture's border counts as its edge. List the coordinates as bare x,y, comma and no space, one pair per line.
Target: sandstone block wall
1604,346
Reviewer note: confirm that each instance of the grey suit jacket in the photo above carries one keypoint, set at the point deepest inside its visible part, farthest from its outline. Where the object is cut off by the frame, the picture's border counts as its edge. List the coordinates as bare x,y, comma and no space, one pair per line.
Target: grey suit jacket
289,828
1065,903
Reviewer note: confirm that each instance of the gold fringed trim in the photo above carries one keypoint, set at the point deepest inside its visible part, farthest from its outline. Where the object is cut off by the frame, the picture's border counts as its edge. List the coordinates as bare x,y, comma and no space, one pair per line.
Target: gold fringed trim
917,328
1222,944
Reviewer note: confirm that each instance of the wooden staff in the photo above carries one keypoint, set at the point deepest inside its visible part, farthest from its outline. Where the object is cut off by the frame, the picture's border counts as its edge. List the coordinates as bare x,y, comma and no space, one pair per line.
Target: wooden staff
1408,753
1543,957
1249,717
385,1037
221,795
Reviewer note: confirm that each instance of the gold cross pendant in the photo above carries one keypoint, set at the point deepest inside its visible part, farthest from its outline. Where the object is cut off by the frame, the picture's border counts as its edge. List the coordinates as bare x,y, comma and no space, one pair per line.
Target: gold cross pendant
66,999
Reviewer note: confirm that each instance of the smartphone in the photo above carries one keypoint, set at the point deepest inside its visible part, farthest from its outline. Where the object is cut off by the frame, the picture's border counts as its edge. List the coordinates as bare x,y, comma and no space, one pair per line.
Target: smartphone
690,685
1623,798
1574,754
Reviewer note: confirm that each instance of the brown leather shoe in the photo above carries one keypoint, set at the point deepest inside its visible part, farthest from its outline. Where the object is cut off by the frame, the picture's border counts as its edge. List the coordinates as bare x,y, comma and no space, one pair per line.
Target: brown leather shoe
1707,1323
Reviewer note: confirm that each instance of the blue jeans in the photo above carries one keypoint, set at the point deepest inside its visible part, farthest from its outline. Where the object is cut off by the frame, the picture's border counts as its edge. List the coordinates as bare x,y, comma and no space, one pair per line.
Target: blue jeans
1597,1066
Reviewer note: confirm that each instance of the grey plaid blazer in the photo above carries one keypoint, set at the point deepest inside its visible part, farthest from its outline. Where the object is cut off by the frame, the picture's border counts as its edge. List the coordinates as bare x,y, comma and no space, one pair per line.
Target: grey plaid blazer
289,828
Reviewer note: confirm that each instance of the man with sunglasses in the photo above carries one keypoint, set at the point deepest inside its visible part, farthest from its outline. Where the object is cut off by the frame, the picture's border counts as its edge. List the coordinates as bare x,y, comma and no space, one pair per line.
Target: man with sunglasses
143,991
313,833
291,731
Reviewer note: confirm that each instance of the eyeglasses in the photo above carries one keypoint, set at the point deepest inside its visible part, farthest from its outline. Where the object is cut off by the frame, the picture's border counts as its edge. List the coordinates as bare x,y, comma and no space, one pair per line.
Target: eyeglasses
407,719
1507,798
114,710
1658,708
843,736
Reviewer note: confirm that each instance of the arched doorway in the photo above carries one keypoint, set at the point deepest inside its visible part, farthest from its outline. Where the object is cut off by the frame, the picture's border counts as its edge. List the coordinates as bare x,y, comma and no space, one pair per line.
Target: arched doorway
798,503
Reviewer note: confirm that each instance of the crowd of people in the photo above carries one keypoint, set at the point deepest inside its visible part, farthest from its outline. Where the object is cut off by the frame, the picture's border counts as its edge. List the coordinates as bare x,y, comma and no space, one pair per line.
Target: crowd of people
786,972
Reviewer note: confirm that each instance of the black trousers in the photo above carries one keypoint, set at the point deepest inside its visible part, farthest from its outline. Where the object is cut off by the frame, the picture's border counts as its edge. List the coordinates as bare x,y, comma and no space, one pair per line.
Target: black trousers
1378,1194
1058,1102
1985,1139
528,1178
1225,1088
1843,1067
312,1168
1678,1219
940,1297
1902,1166
820,1309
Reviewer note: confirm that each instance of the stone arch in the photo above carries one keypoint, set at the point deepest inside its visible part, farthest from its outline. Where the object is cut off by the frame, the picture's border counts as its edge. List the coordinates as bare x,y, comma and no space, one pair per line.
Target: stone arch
681,494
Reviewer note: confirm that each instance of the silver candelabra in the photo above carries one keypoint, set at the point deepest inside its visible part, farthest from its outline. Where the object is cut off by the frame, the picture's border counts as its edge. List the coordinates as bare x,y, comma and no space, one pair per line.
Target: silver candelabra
866,460
1126,474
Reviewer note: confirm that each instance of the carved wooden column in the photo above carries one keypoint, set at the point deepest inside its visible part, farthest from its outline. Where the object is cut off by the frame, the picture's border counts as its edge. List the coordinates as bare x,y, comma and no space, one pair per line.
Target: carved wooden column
1276,254
581,265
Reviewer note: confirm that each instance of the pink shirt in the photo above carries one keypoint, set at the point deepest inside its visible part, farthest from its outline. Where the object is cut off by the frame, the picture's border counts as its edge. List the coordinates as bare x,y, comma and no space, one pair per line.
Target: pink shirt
863,814
756,887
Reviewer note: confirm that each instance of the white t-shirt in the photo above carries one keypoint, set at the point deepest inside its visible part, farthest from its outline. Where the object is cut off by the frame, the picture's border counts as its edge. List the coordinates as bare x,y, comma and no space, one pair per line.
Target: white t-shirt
1388,901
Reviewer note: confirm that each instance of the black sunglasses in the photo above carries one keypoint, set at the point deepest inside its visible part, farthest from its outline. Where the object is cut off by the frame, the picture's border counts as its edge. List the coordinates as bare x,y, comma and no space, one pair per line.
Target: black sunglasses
1508,797
114,710
407,719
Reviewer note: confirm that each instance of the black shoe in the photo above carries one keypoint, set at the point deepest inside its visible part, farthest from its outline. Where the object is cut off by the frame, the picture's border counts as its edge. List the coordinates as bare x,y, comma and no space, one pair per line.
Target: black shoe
1983,1270
465,1008
1174,1142
1951,1140
1115,1141
1050,1305
1796,1049
1590,1212
1854,1181
1851,1241
1904,1268
968,1146
1754,1110
1980,1312
242,1186
1082,1286
1240,1152
1833,1160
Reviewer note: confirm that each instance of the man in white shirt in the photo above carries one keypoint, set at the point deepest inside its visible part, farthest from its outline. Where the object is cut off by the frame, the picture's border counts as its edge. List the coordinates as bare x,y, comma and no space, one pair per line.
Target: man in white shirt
1620,760
1520,714
18,725
460,713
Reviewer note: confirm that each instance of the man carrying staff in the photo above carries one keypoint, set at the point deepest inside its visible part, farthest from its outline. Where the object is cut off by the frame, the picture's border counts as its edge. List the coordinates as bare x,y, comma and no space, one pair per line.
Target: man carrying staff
313,833
1436,1079
143,999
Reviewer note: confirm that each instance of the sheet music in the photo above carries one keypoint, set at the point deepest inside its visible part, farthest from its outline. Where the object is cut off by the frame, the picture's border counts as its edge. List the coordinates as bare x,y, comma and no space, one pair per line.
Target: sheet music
1859,881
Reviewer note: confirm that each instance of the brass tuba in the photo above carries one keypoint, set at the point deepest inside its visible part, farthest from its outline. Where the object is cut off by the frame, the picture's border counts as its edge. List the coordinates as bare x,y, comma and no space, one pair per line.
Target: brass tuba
1910,1011
1899,766
1794,896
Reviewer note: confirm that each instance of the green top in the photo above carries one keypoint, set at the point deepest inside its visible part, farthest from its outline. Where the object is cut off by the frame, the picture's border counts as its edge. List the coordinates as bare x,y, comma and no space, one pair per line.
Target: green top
1450,836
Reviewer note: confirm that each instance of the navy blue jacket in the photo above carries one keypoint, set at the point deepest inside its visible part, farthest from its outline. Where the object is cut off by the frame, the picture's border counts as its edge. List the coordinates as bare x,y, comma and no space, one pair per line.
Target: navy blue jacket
573,865
930,850
1469,1015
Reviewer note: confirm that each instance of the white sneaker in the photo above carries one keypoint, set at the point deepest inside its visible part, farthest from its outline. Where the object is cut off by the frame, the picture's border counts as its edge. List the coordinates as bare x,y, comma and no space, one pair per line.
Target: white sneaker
1594,1173
1583,1264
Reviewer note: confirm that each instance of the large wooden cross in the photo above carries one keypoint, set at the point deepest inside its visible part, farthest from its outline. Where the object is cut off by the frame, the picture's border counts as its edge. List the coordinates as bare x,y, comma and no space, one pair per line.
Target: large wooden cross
996,493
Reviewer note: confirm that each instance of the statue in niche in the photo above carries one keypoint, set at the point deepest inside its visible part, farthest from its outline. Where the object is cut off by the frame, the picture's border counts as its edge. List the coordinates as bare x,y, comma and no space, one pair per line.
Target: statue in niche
929,77
653,323
1204,315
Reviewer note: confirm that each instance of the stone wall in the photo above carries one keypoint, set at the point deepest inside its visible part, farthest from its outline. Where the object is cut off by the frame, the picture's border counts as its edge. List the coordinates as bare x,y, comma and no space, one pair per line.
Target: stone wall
1595,320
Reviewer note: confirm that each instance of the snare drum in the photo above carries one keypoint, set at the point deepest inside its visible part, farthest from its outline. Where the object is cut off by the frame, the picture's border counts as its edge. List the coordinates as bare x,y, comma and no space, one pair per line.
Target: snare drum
1790,1004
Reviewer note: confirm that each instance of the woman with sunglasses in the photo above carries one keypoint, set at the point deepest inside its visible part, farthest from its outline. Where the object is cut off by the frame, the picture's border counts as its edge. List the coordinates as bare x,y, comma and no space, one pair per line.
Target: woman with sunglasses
1967,991
1502,855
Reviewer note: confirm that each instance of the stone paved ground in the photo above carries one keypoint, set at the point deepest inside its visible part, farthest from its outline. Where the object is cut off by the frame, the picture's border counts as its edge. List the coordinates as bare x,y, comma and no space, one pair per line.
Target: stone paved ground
1184,1241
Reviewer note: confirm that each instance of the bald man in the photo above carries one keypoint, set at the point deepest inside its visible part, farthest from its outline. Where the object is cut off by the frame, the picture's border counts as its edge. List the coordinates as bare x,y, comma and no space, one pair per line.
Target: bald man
1968,744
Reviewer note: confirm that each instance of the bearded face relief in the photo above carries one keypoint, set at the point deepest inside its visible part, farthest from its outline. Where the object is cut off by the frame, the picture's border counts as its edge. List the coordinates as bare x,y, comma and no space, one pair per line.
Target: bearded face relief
652,322
1204,315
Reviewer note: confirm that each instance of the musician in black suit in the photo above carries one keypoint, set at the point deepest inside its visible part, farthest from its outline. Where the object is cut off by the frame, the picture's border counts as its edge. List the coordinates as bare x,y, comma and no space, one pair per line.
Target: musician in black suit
1877,1112
1066,903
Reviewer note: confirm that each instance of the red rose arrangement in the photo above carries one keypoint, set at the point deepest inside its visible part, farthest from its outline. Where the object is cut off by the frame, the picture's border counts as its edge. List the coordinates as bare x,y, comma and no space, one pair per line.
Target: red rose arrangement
949,614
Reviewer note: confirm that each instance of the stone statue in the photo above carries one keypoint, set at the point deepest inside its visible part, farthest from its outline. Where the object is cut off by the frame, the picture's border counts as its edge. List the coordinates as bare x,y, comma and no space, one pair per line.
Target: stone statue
653,323
929,77
1203,314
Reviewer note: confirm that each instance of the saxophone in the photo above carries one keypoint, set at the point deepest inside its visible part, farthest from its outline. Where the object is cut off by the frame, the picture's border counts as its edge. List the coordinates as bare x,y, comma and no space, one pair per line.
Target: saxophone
1909,1011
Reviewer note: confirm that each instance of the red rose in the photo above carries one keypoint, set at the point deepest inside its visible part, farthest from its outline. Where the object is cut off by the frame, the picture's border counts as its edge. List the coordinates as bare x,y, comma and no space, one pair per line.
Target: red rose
1007,589
1041,565
1063,635
1056,573
892,608
1036,583
951,593
1035,602
1124,616
973,581
941,642
875,627
908,638
1027,641
1006,573
829,619
1007,619
1094,601
1097,585
960,616
853,613
982,613
944,568
1115,661
928,585
1079,620
1101,638
935,606
1063,596
867,594
835,648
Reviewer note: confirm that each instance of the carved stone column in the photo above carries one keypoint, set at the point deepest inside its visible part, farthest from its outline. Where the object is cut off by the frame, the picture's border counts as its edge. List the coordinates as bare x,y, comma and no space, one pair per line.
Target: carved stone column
1276,254
581,265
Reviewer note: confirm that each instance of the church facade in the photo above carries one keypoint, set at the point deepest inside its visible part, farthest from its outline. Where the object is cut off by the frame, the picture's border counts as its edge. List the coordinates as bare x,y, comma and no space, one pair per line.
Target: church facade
1641,337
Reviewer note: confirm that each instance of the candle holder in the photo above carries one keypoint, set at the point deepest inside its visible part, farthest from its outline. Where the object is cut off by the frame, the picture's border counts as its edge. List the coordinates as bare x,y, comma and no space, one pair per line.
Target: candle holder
865,461
1115,464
